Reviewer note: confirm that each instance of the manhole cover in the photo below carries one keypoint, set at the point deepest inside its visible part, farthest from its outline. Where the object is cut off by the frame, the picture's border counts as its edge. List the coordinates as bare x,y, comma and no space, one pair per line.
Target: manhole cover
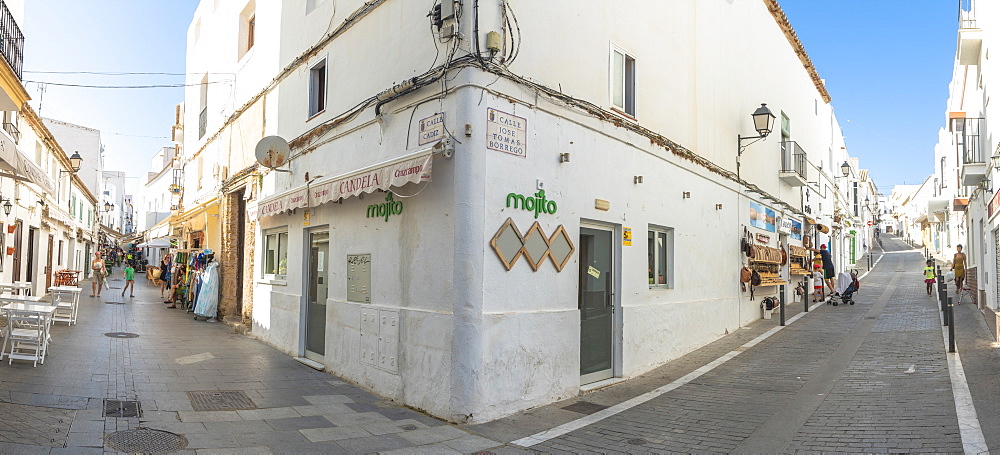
637,442
145,441
121,335
116,408
220,400
585,407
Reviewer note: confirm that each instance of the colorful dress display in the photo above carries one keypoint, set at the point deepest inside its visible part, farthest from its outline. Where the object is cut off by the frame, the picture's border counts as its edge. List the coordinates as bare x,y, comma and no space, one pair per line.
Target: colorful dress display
207,305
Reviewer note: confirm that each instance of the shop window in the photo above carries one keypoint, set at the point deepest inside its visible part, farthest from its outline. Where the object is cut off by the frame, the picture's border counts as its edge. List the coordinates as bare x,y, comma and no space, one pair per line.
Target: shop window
661,257
276,255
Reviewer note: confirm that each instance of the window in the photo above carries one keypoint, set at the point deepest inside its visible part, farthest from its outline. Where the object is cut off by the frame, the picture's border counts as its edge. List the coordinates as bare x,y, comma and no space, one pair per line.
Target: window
203,112
317,88
246,31
60,261
72,205
855,188
250,26
786,128
661,257
3,246
276,255
623,82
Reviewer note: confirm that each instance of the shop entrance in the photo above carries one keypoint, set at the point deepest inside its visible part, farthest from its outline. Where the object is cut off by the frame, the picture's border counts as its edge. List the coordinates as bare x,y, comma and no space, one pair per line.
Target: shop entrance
597,304
316,293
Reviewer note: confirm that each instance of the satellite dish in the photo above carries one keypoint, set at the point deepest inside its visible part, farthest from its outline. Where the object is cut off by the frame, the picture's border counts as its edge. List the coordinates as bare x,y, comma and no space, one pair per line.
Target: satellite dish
272,151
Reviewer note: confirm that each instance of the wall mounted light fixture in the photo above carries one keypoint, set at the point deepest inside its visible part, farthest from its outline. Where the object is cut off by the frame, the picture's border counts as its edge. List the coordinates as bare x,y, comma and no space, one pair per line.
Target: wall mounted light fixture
637,179
564,157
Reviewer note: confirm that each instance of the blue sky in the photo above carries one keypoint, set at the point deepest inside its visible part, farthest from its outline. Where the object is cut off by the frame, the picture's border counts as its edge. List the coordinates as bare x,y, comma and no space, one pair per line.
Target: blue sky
887,66
109,36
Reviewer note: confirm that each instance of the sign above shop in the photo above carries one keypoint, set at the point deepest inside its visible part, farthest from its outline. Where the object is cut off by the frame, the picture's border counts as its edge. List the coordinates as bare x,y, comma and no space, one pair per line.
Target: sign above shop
536,204
506,133
763,238
431,129
785,226
383,210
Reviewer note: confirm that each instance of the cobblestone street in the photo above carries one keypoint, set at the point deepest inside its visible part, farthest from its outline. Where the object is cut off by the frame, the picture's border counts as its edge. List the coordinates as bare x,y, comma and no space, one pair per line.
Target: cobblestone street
873,377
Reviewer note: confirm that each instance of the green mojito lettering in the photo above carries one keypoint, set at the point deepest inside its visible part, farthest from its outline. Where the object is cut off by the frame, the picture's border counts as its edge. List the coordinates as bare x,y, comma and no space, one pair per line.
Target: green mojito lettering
536,204
383,210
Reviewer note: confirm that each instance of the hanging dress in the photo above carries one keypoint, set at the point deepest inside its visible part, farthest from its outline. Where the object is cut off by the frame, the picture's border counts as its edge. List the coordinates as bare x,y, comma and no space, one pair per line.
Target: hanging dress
208,295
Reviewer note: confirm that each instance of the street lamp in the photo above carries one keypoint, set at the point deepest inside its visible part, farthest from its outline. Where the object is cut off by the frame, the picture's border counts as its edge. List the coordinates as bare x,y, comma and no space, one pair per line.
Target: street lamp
75,162
7,206
845,169
108,206
763,122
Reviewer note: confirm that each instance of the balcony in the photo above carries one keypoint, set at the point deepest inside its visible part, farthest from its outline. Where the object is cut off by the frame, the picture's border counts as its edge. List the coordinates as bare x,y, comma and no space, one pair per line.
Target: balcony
11,40
970,36
793,164
12,130
970,144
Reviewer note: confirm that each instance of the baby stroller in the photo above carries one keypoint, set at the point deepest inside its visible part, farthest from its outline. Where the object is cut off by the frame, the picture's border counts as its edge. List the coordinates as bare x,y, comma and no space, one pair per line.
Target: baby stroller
847,285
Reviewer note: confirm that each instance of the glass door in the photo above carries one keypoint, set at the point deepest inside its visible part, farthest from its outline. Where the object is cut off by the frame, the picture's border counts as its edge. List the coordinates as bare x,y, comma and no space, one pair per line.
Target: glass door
596,304
315,336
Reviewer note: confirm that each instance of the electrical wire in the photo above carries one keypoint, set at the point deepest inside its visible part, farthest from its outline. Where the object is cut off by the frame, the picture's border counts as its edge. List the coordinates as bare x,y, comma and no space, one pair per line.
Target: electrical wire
121,73
225,81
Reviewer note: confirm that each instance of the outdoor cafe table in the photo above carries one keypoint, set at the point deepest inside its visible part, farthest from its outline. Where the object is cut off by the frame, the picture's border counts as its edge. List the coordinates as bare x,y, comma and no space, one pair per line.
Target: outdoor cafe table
15,287
25,305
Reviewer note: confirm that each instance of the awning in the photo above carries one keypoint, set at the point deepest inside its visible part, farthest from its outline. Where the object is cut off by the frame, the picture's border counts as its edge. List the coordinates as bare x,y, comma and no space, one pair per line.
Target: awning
161,242
160,230
937,204
412,168
56,214
21,168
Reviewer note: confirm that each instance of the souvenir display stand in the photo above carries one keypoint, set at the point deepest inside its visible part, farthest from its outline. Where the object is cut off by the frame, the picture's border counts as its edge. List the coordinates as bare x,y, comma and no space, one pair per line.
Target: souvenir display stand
767,262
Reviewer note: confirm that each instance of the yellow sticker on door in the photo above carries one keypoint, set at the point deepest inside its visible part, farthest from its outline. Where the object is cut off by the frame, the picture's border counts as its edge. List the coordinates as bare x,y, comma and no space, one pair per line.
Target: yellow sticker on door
594,272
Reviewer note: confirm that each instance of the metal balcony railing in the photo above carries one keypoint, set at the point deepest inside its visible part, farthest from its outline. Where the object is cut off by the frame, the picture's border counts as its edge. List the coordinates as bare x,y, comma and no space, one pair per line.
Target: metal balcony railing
793,158
11,40
969,139
12,130
967,14
202,122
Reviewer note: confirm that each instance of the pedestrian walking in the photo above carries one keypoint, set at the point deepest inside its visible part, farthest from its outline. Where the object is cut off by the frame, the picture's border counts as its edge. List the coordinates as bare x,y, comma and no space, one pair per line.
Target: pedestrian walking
129,279
100,272
165,265
827,264
818,284
958,265
929,276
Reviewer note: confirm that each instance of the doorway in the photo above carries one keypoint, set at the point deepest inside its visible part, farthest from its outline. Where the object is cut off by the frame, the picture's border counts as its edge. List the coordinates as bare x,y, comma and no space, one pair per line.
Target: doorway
597,302
241,221
48,263
17,252
32,239
316,294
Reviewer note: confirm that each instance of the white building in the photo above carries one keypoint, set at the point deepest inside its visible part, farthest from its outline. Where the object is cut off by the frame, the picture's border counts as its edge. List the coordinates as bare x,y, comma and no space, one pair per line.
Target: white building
113,201
156,203
469,239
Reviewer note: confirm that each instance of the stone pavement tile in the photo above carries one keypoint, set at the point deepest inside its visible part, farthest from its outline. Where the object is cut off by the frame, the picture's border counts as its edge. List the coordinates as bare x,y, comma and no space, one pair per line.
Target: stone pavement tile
77,450
246,426
510,450
374,443
271,438
398,413
328,409
384,428
60,401
10,447
325,447
300,423
363,407
279,402
430,449
334,434
328,399
84,426
155,416
211,441
91,439
410,424
271,413
361,418
262,450
92,414
184,428
425,436
471,443
208,416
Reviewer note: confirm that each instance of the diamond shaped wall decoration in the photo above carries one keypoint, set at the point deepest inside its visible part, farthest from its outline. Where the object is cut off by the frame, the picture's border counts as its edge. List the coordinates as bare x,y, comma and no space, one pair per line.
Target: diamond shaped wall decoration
561,248
536,246
508,244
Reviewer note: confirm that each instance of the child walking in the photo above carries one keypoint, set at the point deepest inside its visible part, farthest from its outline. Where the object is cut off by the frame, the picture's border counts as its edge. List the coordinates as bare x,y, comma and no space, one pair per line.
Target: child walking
129,279
818,284
929,277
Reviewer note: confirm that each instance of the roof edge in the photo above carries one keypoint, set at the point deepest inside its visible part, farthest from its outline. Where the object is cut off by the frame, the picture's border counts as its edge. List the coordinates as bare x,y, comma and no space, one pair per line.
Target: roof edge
800,50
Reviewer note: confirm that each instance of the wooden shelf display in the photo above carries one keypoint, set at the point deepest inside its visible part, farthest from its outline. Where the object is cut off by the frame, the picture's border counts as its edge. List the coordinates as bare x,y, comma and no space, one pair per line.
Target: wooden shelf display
767,263
799,262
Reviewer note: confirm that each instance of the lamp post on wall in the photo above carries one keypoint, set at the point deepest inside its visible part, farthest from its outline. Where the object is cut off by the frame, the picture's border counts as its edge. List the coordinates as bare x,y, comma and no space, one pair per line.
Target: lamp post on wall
763,122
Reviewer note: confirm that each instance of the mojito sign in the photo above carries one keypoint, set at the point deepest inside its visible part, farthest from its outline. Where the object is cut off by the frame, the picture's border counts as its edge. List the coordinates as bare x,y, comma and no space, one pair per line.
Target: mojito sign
385,209
536,204
506,133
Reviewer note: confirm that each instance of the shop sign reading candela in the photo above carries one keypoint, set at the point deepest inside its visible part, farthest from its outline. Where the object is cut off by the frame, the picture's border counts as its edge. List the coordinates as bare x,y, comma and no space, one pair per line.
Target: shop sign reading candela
536,204
385,209
506,133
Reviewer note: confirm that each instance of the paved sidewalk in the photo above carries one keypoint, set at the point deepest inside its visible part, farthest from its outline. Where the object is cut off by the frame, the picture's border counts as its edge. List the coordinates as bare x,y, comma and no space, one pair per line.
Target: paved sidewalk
58,407
873,377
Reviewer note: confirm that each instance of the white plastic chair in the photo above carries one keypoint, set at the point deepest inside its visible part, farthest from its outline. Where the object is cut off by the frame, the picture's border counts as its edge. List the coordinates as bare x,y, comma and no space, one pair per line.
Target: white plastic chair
66,305
26,336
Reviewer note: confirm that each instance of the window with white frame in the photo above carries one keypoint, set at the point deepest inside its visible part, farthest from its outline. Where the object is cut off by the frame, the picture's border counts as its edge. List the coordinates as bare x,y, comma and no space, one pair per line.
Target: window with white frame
247,30
622,82
317,88
276,254
660,241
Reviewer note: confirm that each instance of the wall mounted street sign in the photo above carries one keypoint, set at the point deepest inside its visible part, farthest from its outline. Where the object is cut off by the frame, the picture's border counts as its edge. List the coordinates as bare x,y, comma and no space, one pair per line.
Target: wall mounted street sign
506,133
430,129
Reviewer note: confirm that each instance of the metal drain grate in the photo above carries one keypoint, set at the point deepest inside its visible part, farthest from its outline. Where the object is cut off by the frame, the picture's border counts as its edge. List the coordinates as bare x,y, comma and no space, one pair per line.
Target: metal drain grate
121,335
117,408
220,400
145,441
584,407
